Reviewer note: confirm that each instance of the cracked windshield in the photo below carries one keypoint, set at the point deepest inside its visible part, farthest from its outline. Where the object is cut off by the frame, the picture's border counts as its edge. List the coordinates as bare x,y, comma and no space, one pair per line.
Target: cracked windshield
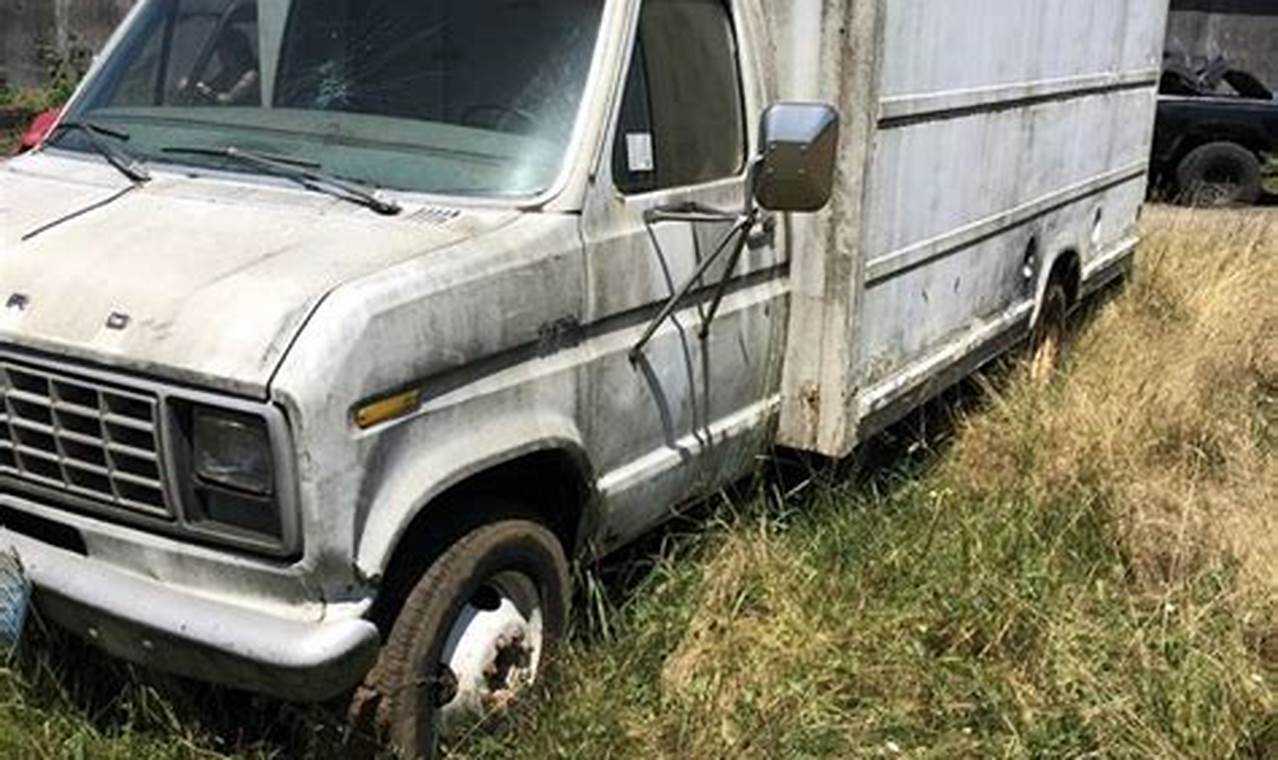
440,96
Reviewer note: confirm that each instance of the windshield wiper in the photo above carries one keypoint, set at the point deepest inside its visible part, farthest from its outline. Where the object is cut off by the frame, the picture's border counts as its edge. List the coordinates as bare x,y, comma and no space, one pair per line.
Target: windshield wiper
122,160
304,172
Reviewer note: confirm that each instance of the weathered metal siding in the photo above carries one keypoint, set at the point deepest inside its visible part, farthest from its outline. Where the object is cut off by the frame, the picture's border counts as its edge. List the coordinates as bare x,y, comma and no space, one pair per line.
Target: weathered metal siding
1244,31
1002,127
987,107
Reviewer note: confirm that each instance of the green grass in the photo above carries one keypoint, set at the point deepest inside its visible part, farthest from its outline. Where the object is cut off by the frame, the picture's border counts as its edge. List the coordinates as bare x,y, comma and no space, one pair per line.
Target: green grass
1081,570
1087,569
34,99
54,714
937,624
9,139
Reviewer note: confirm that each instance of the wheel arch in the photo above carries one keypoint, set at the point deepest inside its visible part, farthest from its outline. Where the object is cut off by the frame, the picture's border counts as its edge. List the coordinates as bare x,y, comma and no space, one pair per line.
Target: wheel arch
551,479
1066,266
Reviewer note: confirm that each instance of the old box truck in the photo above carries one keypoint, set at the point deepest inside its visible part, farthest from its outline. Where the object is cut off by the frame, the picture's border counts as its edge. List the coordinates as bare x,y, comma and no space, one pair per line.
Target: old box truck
331,331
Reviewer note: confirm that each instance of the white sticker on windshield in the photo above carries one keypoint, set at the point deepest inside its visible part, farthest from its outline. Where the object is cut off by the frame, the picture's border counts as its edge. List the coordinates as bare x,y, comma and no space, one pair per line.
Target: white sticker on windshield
639,152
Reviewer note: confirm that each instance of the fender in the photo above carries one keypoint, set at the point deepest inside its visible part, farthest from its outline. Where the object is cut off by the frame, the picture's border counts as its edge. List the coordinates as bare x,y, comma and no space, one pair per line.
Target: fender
414,482
1064,245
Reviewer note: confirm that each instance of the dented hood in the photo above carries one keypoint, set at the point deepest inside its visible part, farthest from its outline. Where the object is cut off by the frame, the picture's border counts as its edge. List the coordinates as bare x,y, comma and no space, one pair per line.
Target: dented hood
200,280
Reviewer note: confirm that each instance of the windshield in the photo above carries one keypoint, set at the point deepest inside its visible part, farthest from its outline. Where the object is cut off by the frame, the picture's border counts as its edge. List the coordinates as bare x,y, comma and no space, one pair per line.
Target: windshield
459,97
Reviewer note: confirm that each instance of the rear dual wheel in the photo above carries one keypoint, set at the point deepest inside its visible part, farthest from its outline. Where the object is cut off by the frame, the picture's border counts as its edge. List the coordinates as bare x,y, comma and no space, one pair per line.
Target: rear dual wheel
475,632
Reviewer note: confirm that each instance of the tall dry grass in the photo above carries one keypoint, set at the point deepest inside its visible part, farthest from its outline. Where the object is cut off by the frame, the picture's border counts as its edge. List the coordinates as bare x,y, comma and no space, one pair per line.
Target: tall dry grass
1088,569
1169,407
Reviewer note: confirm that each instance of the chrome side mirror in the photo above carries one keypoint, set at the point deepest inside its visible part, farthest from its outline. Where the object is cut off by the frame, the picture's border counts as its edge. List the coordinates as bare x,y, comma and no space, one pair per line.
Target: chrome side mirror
800,146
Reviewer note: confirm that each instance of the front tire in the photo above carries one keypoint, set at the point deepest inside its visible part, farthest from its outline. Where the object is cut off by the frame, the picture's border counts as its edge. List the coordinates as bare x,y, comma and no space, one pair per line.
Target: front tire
1220,174
477,629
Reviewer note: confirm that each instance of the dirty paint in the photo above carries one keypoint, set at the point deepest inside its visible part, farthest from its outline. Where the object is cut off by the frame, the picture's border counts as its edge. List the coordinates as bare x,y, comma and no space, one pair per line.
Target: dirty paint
967,132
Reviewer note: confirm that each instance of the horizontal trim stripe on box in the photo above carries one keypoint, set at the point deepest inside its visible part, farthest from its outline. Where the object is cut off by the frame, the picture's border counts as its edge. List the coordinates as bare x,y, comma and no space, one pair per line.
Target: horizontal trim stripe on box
905,110
911,257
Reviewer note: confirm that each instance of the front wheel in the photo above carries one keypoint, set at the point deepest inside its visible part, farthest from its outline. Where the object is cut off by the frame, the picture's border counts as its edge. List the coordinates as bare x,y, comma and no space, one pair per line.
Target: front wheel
475,631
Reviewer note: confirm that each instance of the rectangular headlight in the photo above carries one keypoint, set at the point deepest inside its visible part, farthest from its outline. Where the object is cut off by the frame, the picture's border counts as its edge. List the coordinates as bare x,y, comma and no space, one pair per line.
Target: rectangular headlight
233,451
233,474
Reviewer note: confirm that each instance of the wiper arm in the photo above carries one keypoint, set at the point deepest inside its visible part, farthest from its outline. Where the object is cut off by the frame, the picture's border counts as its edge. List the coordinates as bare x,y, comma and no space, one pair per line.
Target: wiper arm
239,154
306,173
125,163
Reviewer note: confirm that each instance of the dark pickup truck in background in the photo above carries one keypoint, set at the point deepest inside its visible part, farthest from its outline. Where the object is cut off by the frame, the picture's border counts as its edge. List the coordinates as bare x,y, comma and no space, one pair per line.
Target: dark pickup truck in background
1217,128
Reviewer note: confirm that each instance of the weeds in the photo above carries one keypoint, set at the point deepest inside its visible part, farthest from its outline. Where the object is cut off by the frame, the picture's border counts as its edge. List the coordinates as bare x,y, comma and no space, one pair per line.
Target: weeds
24,104
1087,570
33,100
1082,569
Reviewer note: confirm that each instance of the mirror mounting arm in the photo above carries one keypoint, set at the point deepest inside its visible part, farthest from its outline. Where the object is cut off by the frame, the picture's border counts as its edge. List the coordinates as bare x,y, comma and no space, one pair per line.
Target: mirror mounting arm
794,172
734,240
688,212
741,240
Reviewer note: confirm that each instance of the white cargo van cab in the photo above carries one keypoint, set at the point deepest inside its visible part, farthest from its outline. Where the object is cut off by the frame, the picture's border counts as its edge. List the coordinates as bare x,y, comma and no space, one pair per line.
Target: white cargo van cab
332,330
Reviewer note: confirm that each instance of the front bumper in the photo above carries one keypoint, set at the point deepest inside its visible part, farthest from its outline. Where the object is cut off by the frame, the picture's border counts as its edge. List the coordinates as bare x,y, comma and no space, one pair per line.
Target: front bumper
177,631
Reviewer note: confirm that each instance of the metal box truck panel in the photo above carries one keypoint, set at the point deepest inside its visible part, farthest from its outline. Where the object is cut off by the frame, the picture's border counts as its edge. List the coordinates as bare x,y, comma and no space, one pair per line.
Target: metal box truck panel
1004,134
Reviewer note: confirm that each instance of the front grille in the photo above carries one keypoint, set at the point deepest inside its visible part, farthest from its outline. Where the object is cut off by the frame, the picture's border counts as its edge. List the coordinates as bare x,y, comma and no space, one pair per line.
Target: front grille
91,439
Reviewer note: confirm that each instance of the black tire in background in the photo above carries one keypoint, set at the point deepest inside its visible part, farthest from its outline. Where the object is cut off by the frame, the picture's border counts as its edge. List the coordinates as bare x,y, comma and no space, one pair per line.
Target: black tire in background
1220,174
407,686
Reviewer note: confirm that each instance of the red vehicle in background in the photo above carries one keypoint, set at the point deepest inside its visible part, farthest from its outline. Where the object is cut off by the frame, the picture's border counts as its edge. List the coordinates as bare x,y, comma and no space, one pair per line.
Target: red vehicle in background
40,128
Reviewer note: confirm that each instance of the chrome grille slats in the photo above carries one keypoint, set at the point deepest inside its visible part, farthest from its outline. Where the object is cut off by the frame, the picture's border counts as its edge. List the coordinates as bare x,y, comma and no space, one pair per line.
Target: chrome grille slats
93,439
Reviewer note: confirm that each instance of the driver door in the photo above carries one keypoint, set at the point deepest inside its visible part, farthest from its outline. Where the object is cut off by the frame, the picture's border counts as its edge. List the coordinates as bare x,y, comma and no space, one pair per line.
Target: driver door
690,410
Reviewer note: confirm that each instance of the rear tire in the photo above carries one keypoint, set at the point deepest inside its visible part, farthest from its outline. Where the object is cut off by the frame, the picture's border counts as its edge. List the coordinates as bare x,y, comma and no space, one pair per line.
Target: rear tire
1220,174
1050,342
493,606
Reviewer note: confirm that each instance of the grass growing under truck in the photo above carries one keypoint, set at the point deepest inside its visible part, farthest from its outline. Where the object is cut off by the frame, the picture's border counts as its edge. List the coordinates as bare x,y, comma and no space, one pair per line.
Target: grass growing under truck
1086,567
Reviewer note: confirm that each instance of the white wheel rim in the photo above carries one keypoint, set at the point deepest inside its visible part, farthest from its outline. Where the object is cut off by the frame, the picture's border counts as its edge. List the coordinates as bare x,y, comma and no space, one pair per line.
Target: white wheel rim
493,651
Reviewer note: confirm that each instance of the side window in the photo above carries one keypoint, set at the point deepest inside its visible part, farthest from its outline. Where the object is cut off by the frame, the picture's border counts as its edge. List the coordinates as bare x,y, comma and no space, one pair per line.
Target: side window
137,87
682,116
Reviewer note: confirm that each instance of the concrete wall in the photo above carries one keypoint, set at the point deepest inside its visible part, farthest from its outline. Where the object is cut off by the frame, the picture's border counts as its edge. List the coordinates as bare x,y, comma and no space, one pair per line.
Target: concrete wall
34,34
39,35
1244,31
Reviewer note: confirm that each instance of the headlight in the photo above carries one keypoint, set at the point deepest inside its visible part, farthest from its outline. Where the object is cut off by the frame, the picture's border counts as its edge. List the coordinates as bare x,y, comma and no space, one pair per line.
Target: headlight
233,451
233,475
